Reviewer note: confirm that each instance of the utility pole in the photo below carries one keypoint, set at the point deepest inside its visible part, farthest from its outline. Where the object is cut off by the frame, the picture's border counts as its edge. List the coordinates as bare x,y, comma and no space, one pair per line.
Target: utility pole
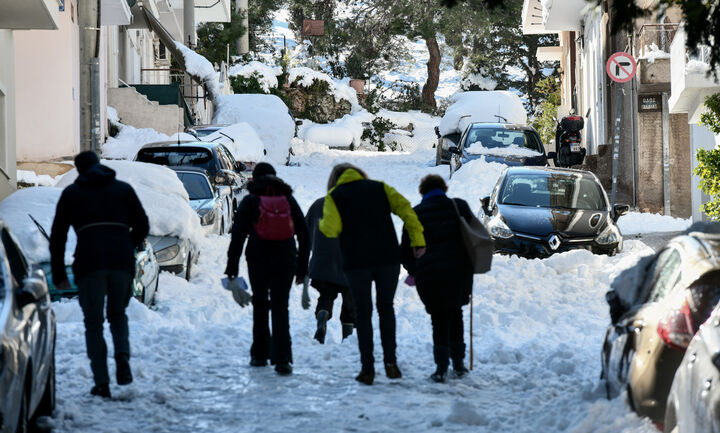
243,42
89,21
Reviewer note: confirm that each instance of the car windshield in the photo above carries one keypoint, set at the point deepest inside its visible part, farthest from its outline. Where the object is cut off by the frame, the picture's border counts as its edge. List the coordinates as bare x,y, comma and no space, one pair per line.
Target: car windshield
483,139
194,157
553,190
196,185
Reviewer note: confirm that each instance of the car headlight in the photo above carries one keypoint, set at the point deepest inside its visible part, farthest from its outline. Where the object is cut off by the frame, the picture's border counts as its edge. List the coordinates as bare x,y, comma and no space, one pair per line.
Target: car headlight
207,217
167,254
610,235
497,227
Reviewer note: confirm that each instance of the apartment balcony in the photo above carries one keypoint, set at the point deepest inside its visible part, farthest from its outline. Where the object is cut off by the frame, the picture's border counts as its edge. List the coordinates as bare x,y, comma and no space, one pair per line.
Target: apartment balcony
30,14
552,16
654,42
691,79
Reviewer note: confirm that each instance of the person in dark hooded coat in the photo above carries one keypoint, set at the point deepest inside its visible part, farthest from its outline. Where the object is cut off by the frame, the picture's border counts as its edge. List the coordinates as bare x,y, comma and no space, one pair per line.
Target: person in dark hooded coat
444,275
110,224
272,264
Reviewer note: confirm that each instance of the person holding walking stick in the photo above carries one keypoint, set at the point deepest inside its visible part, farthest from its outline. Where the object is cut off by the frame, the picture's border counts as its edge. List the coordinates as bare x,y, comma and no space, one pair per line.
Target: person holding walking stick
444,275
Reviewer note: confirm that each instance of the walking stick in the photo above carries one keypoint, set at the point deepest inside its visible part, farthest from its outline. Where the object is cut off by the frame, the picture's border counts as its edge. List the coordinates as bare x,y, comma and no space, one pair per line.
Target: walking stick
471,331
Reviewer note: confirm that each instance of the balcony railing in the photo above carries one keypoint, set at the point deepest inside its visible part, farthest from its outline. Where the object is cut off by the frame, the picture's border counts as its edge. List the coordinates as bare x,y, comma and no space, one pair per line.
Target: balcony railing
660,35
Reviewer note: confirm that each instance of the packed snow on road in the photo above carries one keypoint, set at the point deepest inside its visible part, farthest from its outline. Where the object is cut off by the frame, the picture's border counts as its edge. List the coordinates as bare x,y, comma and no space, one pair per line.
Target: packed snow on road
538,328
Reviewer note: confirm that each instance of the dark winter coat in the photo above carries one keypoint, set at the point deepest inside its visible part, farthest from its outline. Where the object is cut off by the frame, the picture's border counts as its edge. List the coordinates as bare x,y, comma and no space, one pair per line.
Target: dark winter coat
445,264
358,211
326,260
108,219
265,252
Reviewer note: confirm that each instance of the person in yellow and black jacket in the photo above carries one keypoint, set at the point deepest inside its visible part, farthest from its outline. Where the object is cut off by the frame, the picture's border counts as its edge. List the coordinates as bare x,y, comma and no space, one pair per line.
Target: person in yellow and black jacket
358,211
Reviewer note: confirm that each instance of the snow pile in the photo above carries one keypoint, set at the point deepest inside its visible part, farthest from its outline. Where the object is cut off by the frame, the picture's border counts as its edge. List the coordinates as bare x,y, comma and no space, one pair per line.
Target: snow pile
129,140
31,178
341,132
241,140
511,150
696,67
40,202
475,180
266,75
423,129
112,115
463,412
480,80
306,76
267,114
636,222
482,106
200,67
653,53
162,195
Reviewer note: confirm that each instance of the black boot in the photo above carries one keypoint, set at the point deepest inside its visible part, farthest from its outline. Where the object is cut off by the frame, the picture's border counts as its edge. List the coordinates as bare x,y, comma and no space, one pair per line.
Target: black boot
322,318
457,354
123,374
442,355
392,371
101,390
283,369
366,376
347,330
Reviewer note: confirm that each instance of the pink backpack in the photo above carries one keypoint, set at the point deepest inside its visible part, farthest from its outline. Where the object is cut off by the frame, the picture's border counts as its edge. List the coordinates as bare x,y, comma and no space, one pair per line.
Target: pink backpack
275,222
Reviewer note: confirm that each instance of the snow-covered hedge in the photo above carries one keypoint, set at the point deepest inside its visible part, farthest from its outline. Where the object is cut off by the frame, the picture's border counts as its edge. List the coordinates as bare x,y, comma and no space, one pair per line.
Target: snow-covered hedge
307,77
266,76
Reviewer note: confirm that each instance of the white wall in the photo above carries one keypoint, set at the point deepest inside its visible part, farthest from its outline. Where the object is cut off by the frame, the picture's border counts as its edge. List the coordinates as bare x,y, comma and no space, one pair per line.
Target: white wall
8,166
593,82
47,78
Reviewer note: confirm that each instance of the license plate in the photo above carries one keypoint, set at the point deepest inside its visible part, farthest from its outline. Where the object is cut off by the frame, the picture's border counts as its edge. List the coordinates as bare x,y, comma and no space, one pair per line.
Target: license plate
575,147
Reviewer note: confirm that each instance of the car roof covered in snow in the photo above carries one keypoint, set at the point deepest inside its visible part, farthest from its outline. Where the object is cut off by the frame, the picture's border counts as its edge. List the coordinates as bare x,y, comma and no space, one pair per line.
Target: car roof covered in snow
182,143
510,126
554,170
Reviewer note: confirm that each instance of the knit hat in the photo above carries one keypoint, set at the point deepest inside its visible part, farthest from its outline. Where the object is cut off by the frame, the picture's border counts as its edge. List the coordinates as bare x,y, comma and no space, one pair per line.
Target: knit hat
263,169
84,161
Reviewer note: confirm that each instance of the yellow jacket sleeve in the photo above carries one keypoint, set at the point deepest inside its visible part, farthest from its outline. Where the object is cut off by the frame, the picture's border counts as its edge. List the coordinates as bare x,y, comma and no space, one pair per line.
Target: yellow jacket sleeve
401,207
330,224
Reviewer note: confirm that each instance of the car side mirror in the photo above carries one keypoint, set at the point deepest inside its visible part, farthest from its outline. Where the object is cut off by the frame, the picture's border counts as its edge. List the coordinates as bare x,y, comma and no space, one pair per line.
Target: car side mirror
620,210
34,288
486,205
240,166
454,150
437,132
298,123
552,155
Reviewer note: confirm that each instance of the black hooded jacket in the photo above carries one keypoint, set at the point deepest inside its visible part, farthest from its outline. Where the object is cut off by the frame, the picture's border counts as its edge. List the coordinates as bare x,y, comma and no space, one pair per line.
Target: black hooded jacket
260,251
108,219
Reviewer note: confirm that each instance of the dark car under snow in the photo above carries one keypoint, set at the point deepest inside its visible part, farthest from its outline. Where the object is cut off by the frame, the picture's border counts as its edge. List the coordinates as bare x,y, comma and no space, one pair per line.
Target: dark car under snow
536,212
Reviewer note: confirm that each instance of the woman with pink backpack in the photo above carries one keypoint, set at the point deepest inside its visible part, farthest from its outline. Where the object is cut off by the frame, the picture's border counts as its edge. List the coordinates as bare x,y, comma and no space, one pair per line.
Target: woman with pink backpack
270,219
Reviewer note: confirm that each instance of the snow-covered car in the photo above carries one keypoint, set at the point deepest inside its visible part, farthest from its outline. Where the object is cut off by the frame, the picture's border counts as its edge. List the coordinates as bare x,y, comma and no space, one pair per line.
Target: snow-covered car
694,402
27,340
175,229
201,131
267,114
508,144
29,213
212,202
537,212
214,158
496,106
656,308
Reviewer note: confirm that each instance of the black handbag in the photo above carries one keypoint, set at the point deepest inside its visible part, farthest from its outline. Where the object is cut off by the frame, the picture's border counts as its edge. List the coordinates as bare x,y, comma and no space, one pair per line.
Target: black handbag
477,240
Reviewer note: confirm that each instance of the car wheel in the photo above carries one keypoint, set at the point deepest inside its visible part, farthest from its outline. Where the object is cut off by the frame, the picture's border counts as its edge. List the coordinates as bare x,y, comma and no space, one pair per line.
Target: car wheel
188,267
47,403
22,422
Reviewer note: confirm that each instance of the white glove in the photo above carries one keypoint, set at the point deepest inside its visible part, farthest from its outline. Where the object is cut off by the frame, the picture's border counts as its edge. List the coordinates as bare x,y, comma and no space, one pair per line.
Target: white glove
241,296
305,300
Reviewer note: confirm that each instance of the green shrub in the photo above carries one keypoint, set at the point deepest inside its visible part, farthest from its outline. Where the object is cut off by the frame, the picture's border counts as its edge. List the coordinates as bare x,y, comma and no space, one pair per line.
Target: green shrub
374,134
545,122
708,167
249,84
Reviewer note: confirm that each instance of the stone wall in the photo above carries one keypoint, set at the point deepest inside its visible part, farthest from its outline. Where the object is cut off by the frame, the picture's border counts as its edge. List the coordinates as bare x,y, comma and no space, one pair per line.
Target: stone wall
680,171
316,106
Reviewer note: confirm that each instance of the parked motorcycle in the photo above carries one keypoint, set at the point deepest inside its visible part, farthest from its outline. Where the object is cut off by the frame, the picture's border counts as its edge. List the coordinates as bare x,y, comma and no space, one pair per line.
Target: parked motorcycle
568,142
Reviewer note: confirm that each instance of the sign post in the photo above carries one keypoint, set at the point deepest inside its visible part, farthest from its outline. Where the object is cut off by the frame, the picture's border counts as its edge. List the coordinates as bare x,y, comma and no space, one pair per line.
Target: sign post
621,68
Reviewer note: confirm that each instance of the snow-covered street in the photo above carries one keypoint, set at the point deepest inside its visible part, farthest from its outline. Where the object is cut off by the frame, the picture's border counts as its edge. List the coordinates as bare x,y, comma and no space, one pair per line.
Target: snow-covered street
538,328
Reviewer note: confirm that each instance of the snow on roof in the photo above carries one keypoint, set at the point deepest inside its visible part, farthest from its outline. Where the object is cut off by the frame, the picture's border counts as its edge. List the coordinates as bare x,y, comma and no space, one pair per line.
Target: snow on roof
40,202
200,67
245,145
267,114
306,76
482,106
267,75
162,195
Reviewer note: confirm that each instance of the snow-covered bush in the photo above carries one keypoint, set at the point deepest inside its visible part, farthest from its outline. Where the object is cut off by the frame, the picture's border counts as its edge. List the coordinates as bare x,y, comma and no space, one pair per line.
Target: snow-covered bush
375,134
254,77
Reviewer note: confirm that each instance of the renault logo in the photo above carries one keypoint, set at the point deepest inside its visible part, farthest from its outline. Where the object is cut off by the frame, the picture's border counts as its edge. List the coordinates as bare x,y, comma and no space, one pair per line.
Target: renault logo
554,242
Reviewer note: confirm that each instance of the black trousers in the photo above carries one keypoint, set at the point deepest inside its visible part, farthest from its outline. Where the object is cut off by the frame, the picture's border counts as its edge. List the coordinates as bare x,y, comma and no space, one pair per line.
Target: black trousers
386,279
271,284
94,286
447,324
328,293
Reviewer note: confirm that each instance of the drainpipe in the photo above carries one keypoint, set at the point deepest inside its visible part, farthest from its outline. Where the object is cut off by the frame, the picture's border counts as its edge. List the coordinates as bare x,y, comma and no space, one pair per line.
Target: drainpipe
666,151
89,94
189,39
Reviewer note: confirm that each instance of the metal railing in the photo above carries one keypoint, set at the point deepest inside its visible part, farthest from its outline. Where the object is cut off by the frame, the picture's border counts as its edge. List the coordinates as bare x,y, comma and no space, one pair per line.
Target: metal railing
661,35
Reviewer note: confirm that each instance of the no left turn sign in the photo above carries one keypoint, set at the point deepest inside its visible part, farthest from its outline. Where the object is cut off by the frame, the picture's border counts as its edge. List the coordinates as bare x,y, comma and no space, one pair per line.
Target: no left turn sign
621,67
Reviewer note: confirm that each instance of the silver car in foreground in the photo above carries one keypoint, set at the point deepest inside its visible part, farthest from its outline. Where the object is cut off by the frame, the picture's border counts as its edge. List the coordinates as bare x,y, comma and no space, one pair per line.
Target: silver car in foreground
27,340
693,405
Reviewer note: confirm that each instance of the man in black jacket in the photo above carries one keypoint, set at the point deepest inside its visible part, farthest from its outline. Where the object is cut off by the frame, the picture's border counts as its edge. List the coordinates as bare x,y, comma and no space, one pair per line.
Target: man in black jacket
271,267
110,224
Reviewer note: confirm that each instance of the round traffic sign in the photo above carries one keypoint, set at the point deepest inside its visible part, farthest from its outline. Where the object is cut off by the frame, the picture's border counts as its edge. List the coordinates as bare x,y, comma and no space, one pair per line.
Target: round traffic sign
621,67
